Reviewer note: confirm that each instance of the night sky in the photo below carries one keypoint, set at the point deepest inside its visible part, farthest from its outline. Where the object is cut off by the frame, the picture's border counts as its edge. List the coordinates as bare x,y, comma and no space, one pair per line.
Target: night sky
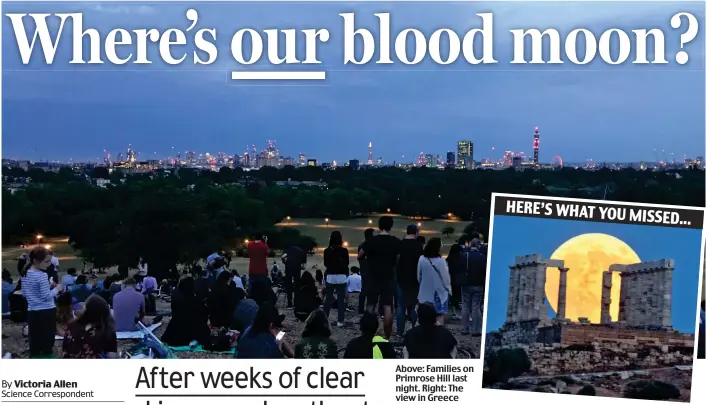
597,111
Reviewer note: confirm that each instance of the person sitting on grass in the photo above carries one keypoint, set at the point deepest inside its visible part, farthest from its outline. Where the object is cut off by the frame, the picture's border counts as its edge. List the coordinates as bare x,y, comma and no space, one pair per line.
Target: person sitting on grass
189,320
429,340
259,341
64,312
106,293
92,335
128,305
316,342
306,298
368,345
8,287
69,279
222,301
81,290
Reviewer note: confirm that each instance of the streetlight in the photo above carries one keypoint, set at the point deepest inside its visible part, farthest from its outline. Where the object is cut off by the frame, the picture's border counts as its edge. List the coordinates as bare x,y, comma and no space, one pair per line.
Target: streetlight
388,210
345,244
450,215
288,218
419,224
370,221
326,221
47,247
247,241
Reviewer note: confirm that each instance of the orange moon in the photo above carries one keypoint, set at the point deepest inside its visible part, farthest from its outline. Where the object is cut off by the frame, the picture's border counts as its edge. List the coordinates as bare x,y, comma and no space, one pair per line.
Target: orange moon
587,256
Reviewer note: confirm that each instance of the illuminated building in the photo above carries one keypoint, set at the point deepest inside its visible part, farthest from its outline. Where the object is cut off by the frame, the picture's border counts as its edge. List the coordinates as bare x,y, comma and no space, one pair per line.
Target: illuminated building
465,154
370,153
302,160
450,159
535,146
311,162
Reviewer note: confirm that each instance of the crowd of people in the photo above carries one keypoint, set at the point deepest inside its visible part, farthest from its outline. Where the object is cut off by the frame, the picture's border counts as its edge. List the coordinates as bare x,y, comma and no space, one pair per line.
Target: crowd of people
218,309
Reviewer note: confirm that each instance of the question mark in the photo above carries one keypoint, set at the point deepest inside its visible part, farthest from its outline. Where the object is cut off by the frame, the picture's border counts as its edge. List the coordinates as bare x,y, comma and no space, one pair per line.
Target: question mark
682,57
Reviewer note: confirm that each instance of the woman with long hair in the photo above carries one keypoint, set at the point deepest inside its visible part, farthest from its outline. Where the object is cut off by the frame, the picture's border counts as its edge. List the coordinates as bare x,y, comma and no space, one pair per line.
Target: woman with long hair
189,317
434,279
316,342
306,298
454,260
92,335
64,312
336,262
222,301
40,292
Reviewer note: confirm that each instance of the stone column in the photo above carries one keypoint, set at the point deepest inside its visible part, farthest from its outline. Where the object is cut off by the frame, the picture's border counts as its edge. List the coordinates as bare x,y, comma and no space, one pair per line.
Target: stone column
541,292
561,301
607,287
531,313
623,301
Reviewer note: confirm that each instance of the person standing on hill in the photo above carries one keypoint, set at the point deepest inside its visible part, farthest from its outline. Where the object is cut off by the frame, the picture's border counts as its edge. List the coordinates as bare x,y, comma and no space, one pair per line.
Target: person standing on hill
407,285
382,251
364,271
473,289
40,292
294,259
257,268
336,261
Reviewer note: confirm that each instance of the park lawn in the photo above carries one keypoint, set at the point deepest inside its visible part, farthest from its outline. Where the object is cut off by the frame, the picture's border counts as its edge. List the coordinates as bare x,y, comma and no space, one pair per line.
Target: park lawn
351,230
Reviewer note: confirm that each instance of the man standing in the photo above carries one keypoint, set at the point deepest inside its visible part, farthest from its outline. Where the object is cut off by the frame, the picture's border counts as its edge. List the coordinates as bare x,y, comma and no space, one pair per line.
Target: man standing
473,289
407,284
257,268
382,251
294,259
364,270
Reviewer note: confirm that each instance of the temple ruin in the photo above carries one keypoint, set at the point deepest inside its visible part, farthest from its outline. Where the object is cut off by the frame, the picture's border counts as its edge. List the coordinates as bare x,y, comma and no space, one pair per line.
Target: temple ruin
645,306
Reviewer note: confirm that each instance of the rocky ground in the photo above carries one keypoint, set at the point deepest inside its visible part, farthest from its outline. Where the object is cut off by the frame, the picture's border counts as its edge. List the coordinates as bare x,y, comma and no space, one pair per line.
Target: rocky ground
13,341
675,380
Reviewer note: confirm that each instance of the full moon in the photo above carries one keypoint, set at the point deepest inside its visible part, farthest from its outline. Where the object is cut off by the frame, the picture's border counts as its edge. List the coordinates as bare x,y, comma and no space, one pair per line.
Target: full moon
587,256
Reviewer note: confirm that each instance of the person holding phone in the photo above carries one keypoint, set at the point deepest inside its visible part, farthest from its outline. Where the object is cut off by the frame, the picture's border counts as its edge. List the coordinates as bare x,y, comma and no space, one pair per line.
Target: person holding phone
40,292
264,339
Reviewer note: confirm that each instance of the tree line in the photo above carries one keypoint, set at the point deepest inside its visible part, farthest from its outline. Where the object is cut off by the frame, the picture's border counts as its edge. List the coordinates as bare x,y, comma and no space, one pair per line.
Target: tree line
171,217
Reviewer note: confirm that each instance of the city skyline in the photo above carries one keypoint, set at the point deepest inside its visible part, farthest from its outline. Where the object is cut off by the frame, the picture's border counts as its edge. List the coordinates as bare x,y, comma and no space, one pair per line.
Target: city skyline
584,113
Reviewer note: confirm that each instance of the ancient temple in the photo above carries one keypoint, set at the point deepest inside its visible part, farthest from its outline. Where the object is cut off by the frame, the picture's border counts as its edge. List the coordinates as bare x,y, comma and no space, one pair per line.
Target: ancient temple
645,306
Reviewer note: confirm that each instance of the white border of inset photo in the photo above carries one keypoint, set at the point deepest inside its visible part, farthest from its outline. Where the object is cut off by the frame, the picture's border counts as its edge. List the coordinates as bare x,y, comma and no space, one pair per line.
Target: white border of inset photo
620,374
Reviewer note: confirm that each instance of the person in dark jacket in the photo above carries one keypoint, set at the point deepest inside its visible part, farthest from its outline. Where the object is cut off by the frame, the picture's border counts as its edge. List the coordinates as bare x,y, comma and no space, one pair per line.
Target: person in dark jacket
336,262
406,274
364,271
222,301
306,299
189,320
294,259
473,289
457,270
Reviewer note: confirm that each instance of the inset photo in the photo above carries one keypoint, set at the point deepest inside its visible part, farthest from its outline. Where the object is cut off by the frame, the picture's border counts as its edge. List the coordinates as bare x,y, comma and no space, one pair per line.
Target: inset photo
592,297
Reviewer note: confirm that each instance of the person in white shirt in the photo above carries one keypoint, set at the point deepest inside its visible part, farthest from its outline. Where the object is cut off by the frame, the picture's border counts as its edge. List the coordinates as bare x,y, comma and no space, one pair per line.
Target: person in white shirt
354,281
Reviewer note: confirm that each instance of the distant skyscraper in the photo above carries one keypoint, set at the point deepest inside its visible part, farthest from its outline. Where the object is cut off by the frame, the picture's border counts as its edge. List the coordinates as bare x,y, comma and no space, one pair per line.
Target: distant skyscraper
302,160
354,164
517,162
465,154
370,153
450,159
535,146
429,160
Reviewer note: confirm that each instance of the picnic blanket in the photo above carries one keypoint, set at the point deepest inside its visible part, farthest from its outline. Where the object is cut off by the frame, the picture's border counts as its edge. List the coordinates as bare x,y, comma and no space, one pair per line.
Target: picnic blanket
198,349
127,335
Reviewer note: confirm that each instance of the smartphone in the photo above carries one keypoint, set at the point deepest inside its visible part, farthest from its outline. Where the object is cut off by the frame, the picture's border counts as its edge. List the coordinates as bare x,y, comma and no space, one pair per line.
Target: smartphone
279,336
